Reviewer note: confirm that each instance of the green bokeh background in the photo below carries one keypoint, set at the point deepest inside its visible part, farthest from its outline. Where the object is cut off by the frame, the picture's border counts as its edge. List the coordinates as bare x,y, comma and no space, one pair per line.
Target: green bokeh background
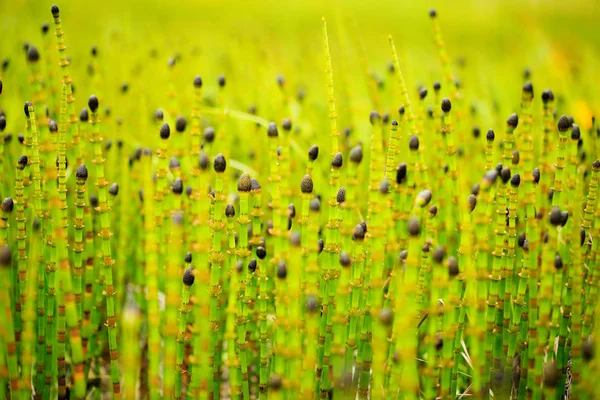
253,42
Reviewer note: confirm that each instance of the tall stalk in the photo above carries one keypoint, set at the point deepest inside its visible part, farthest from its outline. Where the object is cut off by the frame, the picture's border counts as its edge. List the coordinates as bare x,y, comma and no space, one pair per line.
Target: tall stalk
105,233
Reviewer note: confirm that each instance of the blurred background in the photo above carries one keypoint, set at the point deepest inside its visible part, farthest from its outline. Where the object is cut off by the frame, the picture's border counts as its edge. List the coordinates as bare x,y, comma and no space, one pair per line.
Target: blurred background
490,44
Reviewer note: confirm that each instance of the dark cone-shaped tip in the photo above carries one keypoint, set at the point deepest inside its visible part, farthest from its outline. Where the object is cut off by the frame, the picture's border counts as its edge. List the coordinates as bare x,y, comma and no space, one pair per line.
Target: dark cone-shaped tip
229,211
356,154
307,184
272,130
452,266
516,157
113,190
472,202
219,163
209,134
177,187
414,227
165,131
174,163
505,175
424,197
413,144
374,117
446,105
337,161
341,195
555,217
515,181
197,81
345,260
491,176
33,55
401,173
281,269
180,124
26,108
315,205
521,240
261,253
203,161
8,204
536,176
82,172
311,303
358,233
252,265
563,123
313,152
433,211
558,262
295,239
575,132
386,316
513,120
84,115
5,256
244,183
564,217
438,254
94,200
547,96
188,277
22,162
93,103
403,255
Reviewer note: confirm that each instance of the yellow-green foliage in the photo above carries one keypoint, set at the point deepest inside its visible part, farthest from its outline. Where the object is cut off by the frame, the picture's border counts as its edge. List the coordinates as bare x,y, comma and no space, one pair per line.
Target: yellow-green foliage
392,260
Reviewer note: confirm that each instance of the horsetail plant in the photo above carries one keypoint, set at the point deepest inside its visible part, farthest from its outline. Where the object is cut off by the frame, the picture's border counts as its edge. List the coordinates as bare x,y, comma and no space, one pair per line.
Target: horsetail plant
107,261
216,258
173,273
490,292
184,310
232,362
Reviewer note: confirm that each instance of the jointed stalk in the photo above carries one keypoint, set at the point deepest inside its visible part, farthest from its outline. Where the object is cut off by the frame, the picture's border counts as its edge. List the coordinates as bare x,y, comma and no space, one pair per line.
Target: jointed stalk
184,310
105,234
